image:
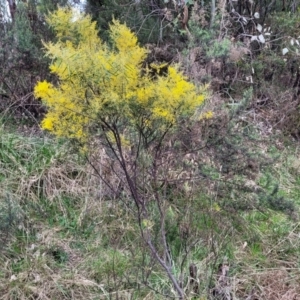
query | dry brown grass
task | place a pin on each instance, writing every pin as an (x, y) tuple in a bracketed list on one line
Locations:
[(269, 284), (35, 274)]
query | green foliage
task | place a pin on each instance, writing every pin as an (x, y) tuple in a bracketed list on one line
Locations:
[(21, 57), (10, 217), (152, 22), (64, 212), (285, 24), (200, 35), (219, 49), (44, 7), (273, 199), (59, 255), (110, 263), (23, 32)]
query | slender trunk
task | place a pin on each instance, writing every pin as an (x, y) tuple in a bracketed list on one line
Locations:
[(139, 10), (167, 269), (3, 18), (213, 13), (12, 8)]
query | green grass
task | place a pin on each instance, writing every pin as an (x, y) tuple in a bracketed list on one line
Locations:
[(59, 240)]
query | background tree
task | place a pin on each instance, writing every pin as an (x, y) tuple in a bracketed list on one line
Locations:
[(21, 55)]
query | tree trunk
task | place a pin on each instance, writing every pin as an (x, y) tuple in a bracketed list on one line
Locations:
[(12, 8)]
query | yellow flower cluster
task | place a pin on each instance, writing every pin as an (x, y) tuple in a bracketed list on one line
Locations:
[(100, 84), (206, 115)]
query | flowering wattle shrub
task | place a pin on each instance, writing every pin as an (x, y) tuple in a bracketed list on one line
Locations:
[(100, 85)]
